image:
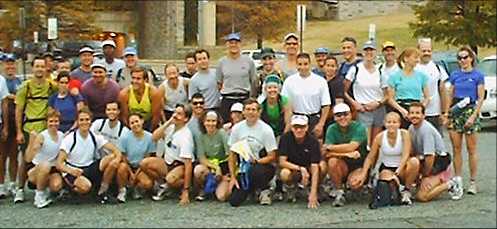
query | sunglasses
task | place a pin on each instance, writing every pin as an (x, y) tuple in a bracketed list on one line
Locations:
[(198, 103), (462, 57), (341, 114), (292, 43)]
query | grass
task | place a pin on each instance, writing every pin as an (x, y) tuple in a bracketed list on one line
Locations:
[(393, 27)]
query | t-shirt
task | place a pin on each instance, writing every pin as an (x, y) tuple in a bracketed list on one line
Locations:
[(466, 83), (367, 86), (355, 132), (287, 71), (80, 75), (387, 71), (236, 74), (259, 136), (136, 148), (273, 114), (34, 109), (84, 151), (306, 94), (97, 97), (303, 154), (194, 126), (178, 145), (113, 67), (213, 147), (206, 84), (436, 75), (4, 92), (110, 134), (185, 74), (335, 88), (67, 106), (408, 87), (426, 140), (13, 84), (345, 67)]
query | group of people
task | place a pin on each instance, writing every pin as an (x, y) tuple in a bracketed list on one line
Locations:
[(287, 130)]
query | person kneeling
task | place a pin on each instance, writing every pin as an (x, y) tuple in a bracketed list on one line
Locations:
[(299, 155)]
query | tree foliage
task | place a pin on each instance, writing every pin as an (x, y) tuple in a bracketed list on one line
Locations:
[(261, 20), (74, 19), (457, 22)]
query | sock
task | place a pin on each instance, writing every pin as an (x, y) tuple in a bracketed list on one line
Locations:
[(103, 188)]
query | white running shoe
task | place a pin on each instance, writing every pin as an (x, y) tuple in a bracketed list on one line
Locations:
[(121, 196), (406, 197), (458, 190), (19, 196), (472, 189)]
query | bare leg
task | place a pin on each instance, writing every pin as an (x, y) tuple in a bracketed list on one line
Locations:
[(471, 144), (456, 139)]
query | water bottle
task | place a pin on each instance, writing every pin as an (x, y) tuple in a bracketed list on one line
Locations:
[(458, 107)]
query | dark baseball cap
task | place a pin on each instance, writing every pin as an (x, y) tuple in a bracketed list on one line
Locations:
[(265, 52)]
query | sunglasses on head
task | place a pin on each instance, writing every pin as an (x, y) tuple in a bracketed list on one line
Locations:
[(340, 114), (462, 57), (198, 103)]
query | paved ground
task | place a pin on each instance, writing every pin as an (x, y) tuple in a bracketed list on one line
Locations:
[(471, 211)]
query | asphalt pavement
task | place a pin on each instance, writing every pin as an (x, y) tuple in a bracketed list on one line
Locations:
[(471, 211)]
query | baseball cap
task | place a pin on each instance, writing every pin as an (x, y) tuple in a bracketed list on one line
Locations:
[(322, 50), (86, 49), (387, 44), (237, 107), (108, 42), (9, 57), (265, 52), (341, 107), (290, 35), (369, 44), (299, 120), (45, 54), (129, 51), (233, 36), (98, 65)]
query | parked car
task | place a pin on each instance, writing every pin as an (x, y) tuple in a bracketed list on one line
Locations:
[(488, 67), (447, 60)]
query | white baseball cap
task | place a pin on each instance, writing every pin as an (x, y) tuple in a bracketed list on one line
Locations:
[(299, 120), (341, 107), (237, 107), (108, 42)]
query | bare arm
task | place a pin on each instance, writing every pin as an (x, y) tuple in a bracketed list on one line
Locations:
[(159, 132), (406, 150), (123, 102), (288, 115), (342, 148), (35, 148), (269, 158), (373, 153), (114, 150), (156, 106), (426, 96)]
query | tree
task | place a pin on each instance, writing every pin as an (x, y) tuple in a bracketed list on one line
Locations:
[(460, 22), (74, 19), (259, 20)]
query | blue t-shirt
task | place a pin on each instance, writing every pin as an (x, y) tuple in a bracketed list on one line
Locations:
[(345, 67), (67, 107), (466, 83), (13, 84), (135, 149), (408, 87)]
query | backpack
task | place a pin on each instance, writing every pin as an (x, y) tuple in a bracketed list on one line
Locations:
[(93, 140), (385, 193), (354, 65), (121, 127)]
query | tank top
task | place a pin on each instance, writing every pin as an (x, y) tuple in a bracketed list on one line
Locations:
[(175, 96), (391, 155), (50, 148), (144, 107)]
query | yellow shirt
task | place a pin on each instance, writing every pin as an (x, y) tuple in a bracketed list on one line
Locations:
[(144, 107)]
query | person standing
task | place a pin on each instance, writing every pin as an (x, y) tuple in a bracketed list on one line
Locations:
[(267, 68), (83, 72), (436, 84), (289, 65), (320, 57), (390, 54), (191, 65), (123, 75), (466, 83), (174, 89), (65, 103), (235, 74), (204, 81), (308, 94), (111, 64)]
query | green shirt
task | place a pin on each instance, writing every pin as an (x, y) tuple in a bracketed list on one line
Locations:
[(273, 113), (355, 132), (36, 106), (213, 147)]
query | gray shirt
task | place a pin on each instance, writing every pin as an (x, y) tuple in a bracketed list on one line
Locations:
[(205, 83), (426, 140), (236, 74), (80, 75), (194, 126)]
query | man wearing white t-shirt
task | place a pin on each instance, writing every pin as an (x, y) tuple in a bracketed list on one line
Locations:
[(262, 144), (308, 93), (436, 80), (77, 160), (175, 169), (111, 64), (110, 128)]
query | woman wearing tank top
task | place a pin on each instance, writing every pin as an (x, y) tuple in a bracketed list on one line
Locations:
[(41, 156), (393, 146)]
